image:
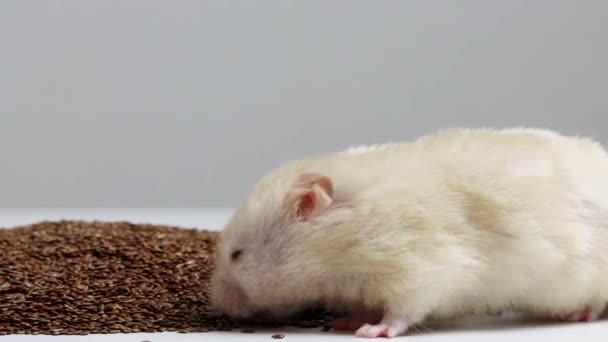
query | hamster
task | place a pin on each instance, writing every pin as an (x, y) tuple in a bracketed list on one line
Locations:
[(460, 222)]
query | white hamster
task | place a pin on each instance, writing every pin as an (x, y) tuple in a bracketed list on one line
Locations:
[(460, 222)]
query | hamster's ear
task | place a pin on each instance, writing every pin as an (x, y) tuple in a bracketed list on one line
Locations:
[(312, 193)]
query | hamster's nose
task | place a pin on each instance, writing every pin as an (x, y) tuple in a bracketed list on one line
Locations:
[(228, 297)]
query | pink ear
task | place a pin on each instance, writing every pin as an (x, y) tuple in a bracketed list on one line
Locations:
[(314, 193), (306, 204)]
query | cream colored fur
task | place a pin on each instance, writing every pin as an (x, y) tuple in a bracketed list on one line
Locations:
[(458, 222)]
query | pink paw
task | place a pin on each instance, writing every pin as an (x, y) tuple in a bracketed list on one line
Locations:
[(373, 331), (589, 314), (392, 325)]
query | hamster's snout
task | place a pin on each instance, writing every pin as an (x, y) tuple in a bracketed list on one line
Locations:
[(229, 298)]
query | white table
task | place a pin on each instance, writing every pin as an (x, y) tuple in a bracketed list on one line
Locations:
[(491, 329)]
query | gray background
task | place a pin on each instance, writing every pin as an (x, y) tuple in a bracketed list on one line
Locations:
[(186, 103)]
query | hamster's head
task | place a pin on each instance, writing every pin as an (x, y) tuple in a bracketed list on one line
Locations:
[(269, 258)]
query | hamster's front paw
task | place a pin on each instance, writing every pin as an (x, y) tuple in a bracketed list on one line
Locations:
[(392, 325), (588, 314)]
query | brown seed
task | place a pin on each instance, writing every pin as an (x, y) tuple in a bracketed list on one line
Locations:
[(79, 278), (278, 336)]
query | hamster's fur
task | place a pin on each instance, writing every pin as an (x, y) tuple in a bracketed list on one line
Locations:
[(460, 222)]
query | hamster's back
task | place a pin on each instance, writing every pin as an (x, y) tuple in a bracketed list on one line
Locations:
[(533, 205), (529, 207), (482, 156)]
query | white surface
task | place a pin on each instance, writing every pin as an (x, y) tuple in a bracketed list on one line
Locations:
[(494, 329)]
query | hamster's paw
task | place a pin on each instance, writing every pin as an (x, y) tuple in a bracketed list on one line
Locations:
[(588, 314), (392, 325), (372, 331)]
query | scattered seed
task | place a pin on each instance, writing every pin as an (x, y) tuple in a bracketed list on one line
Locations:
[(278, 336)]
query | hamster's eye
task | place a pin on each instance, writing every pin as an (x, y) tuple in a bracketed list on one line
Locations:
[(234, 256)]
